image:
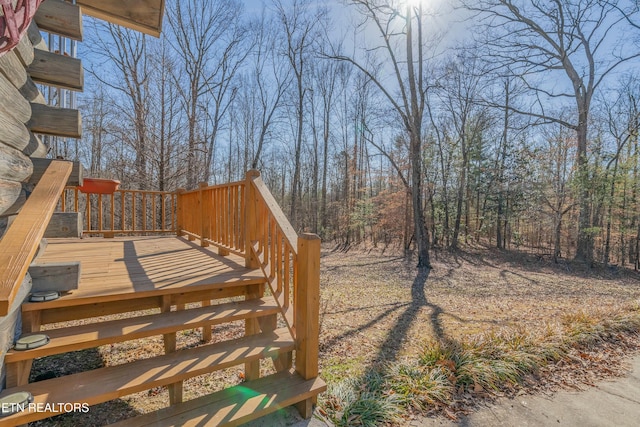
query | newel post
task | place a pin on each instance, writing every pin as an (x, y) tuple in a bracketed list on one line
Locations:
[(179, 212), (250, 217), (204, 215), (307, 313)]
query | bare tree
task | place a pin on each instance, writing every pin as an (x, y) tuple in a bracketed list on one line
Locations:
[(208, 39), (404, 52), (127, 50), (583, 41), (301, 26), (272, 79)]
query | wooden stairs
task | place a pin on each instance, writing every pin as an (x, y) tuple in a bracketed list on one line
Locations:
[(249, 400)]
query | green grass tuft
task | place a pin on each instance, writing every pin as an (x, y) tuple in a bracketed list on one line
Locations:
[(489, 362)]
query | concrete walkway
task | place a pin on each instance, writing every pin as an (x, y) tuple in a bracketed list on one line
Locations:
[(611, 403)]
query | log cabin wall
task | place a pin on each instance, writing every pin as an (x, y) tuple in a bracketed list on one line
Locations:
[(24, 114), (25, 117)]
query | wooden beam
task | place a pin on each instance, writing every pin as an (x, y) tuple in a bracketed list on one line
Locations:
[(35, 37), (55, 276), (64, 225), (24, 50), (60, 17), (35, 148), (40, 166), (9, 193), (57, 70), (20, 242), (142, 15), (18, 107), (13, 133), (307, 313), (14, 71), (14, 166), (55, 121)]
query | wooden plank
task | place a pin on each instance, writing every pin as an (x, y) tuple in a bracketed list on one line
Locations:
[(55, 276), (65, 314), (20, 242), (14, 166), (141, 15), (60, 17), (19, 107), (41, 165), (100, 385), (15, 72), (235, 405), (55, 121), (97, 334), (57, 70)]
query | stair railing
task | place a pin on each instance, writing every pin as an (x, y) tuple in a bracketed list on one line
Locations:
[(243, 218), (20, 242)]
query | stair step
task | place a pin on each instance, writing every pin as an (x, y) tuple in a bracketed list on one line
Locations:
[(112, 382), (95, 334), (235, 405), (83, 308)]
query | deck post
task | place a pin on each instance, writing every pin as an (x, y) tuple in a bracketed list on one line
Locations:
[(250, 218), (205, 230), (170, 346), (179, 213), (307, 313)]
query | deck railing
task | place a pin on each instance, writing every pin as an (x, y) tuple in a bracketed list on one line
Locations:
[(215, 215), (123, 212), (244, 218)]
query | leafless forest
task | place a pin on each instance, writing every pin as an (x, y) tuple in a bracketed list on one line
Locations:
[(387, 123)]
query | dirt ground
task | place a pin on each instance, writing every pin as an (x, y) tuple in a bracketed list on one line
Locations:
[(376, 308)]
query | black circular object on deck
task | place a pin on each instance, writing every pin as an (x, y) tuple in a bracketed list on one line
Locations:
[(14, 403), (44, 296), (27, 342)]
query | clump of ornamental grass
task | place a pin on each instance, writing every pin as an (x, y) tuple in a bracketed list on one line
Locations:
[(361, 402), (488, 362)]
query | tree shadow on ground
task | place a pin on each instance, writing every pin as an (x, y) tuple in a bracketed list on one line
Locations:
[(390, 349)]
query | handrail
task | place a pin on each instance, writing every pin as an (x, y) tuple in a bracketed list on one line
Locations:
[(20, 242), (124, 211), (244, 218)]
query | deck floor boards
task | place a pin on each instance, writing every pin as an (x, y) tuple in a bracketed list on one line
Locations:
[(150, 265)]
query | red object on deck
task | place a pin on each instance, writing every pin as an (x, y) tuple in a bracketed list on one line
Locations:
[(99, 185), (14, 21)]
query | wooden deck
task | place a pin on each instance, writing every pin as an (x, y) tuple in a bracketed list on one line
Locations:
[(131, 267)]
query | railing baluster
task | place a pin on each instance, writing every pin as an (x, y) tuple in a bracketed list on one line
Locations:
[(113, 212), (279, 269), (123, 219), (154, 226), (144, 211), (88, 198)]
